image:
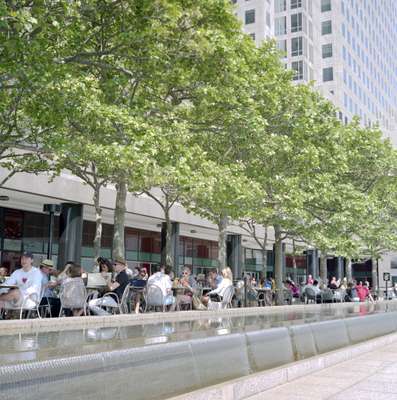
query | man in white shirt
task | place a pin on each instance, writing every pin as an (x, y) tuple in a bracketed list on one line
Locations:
[(163, 281), (28, 281)]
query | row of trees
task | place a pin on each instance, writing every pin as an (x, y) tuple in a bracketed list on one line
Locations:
[(169, 98)]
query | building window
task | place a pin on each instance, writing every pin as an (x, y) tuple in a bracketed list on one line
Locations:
[(297, 66), (252, 36), (296, 22), (326, 27), (296, 3), (325, 5), (296, 46), (280, 26), (327, 50), (282, 46), (328, 74), (249, 17), (280, 5)]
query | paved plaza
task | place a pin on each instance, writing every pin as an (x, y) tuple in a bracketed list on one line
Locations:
[(371, 376)]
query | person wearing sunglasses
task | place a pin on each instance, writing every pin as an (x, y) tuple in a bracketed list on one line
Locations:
[(190, 287)]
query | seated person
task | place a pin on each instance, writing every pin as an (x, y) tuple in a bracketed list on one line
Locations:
[(117, 287), (190, 285), (214, 279), (292, 287), (351, 293), (49, 296), (218, 293), (162, 280), (333, 284), (138, 284), (105, 266), (28, 282), (315, 288), (3, 274), (72, 292)]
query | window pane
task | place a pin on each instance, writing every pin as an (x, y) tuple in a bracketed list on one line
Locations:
[(282, 46), (327, 50), (296, 3), (280, 26), (296, 22), (249, 17), (280, 5), (325, 5), (328, 74), (297, 66), (296, 46), (326, 28), (13, 224)]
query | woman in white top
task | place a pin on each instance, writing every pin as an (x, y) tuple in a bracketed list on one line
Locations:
[(219, 292)]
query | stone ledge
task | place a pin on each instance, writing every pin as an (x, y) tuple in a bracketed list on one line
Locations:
[(9, 327), (244, 388)]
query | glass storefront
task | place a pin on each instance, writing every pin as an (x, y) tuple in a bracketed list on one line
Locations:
[(27, 231)]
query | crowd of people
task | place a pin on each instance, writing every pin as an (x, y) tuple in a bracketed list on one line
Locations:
[(65, 292)]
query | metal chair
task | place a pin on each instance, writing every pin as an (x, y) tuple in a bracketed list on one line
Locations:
[(154, 298), (72, 296), (327, 295), (310, 295), (227, 298), (26, 307)]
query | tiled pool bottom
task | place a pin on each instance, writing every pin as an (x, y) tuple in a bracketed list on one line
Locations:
[(29, 347)]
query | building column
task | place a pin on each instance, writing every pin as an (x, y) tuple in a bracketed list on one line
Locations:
[(235, 254), (312, 263), (339, 268), (70, 233), (174, 245)]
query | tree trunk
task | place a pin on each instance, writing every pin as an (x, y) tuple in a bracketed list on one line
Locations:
[(349, 274), (222, 252), (374, 274), (98, 222), (323, 267), (168, 235), (278, 264), (119, 220), (264, 254)]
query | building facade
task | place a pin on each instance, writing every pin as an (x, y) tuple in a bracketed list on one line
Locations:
[(346, 47)]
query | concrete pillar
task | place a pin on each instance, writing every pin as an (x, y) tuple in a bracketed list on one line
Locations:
[(235, 254), (174, 246), (312, 263), (339, 268), (70, 233)]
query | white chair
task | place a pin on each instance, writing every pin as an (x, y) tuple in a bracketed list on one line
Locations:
[(226, 300), (227, 297), (122, 304), (154, 298), (72, 296), (28, 306)]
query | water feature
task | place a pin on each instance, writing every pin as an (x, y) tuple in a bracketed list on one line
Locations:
[(150, 361)]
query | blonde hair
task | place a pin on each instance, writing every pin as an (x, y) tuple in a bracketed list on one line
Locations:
[(227, 273)]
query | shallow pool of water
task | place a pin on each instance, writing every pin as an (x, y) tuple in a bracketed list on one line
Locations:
[(20, 348)]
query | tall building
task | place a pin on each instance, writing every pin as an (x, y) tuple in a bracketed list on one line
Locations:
[(348, 48)]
